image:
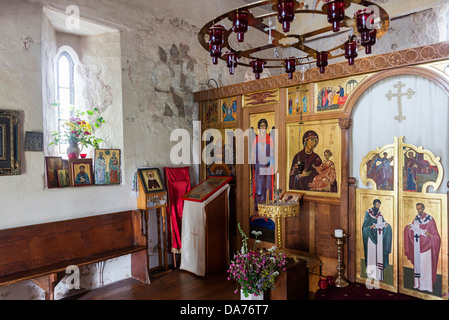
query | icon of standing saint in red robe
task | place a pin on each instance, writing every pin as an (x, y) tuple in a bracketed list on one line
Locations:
[(422, 244)]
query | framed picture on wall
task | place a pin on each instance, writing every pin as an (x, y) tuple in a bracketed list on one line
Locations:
[(52, 165), (331, 95), (423, 253), (81, 172), (9, 143), (151, 180), (378, 269), (2, 141), (262, 184), (261, 98), (210, 112), (314, 157), (229, 110), (33, 141), (63, 178), (298, 100), (290, 196), (220, 151), (107, 166)]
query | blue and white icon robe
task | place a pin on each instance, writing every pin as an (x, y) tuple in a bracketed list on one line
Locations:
[(377, 239)]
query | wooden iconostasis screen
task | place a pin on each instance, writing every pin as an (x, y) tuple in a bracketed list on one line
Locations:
[(404, 182), (338, 118)]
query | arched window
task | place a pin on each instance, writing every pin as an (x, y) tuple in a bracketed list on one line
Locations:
[(65, 90)]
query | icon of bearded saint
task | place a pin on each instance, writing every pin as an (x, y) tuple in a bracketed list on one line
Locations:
[(422, 244)]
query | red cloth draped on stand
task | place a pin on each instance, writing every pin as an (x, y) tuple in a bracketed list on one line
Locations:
[(178, 184)]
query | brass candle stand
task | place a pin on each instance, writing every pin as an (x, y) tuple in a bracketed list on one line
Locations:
[(278, 209), (340, 281)]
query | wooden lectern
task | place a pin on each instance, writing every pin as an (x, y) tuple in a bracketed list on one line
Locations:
[(152, 195), (205, 244)]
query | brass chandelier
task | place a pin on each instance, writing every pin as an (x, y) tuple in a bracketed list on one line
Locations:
[(366, 26)]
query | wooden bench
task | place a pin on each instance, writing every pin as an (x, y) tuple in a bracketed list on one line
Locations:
[(42, 252)]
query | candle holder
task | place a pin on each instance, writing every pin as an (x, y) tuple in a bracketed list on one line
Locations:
[(278, 211), (340, 281)]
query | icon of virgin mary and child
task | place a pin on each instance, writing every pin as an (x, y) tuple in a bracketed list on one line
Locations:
[(308, 171)]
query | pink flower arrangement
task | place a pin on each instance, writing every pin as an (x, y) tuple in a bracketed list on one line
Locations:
[(255, 270)]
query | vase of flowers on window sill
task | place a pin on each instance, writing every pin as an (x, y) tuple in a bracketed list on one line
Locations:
[(79, 132), (73, 150), (256, 270)]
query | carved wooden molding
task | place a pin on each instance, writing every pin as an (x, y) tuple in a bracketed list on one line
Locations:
[(407, 57), (345, 123)]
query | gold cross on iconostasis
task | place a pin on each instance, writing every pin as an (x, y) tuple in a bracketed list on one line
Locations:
[(399, 95)]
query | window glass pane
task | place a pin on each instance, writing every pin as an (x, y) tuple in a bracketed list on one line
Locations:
[(64, 103), (65, 92), (63, 148), (64, 72)]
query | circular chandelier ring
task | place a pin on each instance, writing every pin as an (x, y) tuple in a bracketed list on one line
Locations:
[(256, 22)]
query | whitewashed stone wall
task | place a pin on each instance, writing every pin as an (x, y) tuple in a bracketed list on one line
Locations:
[(162, 65)]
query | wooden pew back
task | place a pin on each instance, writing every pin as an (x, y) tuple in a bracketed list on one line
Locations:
[(31, 251)]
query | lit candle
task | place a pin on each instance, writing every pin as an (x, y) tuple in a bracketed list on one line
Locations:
[(338, 233), (277, 181)]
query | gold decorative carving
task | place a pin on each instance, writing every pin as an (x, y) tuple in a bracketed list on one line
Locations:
[(390, 95), (371, 163), (410, 171), (273, 210), (279, 210), (398, 151), (430, 158)]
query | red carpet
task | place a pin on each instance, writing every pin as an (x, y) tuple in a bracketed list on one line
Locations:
[(358, 291)]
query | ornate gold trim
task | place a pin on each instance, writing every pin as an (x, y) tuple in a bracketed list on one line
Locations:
[(370, 155), (273, 210), (278, 211), (390, 210), (431, 199)]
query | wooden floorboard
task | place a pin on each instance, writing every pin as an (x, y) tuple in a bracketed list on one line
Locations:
[(176, 285)]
